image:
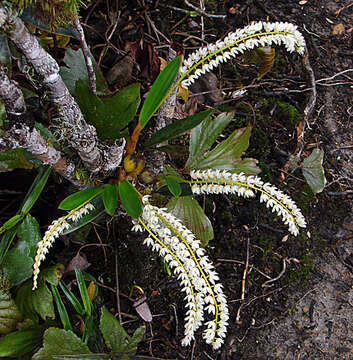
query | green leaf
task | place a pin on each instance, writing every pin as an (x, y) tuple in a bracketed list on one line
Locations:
[(86, 301), (313, 171), (177, 128), (33, 303), (130, 199), (9, 224), (188, 210), (76, 69), (53, 274), (204, 135), (112, 116), (110, 198), (114, 334), (173, 185), (21, 342), (226, 154), (14, 159), (158, 91), (35, 190), (248, 166), (42, 300), (5, 54), (6, 241), (29, 235), (17, 266), (131, 346), (78, 198), (64, 317), (85, 219), (60, 342), (9, 313), (72, 298)]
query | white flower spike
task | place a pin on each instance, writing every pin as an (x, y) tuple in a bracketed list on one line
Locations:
[(180, 249), (258, 34)]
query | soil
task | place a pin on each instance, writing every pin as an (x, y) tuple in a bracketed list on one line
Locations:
[(305, 312)]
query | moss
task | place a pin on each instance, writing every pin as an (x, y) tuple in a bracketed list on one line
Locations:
[(300, 273), (304, 197), (267, 244), (226, 217)]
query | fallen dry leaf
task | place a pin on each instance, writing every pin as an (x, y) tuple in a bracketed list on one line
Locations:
[(338, 29)]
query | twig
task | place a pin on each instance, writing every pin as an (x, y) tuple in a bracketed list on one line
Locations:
[(334, 76), (268, 282), (243, 263), (202, 12), (87, 56), (309, 106), (245, 270)]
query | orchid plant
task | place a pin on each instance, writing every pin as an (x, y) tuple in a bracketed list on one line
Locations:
[(179, 247)]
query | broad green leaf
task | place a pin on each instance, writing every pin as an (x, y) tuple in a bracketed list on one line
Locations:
[(313, 171), (185, 190), (33, 303), (24, 301), (35, 190), (119, 111), (226, 154), (42, 300), (9, 313), (177, 128), (13, 159), (114, 334), (110, 198), (158, 91), (130, 199), (64, 317), (78, 198), (131, 346), (188, 210), (85, 357), (17, 266), (204, 135), (60, 342), (19, 343), (109, 117), (29, 235), (9, 224), (86, 301), (173, 185), (5, 54), (248, 166), (76, 69)]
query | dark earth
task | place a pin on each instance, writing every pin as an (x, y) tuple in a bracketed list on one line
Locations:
[(297, 300)]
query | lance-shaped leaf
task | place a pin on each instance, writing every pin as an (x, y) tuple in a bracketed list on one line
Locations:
[(188, 210), (173, 185), (130, 199), (80, 197), (204, 135), (313, 171), (35, 190), (177, 128), (159, 91)]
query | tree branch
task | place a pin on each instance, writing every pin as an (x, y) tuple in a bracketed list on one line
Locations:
[(82, 137)]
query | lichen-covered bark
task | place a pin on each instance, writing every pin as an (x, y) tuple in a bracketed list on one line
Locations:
[(82, 137)]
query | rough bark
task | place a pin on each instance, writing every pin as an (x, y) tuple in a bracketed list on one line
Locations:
[(82, 137)]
